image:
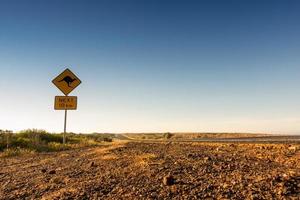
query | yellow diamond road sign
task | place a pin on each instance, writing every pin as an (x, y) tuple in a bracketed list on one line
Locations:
[(67, 81)]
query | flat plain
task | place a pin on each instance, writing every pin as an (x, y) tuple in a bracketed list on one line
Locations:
[(156, 170)]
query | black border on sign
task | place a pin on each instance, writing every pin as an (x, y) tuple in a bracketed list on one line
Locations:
[(61, 74), (66, 97)]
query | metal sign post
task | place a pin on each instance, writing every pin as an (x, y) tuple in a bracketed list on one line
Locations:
[(65, 128), (66, 82)]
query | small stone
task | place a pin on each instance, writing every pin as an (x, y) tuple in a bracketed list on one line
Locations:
[(52, 172), (292, 148), (44, 170), (55, 180), (153, 194), (168, 180), (190, 155), (206, 158), (92, 164)]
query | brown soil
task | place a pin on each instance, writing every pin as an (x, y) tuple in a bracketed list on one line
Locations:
[(141, 170)]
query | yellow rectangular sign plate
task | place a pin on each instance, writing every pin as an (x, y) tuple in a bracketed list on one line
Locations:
[(67, 81), (65, 103)]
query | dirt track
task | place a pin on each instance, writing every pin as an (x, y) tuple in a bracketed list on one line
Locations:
[(137, 170)]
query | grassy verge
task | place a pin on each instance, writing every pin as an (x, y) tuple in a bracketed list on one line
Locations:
[(33, 140)]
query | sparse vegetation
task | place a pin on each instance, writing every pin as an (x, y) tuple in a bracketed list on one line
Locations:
[(167, 135), (32, 140), (183, 136), (145, 136), (10, 152)]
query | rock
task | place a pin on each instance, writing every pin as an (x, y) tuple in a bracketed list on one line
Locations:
[(52, 172), (153, 195), (284, 175), (292, 148), (92, 164), (55, 180), (44, 170), (206, 158), (168, 180)]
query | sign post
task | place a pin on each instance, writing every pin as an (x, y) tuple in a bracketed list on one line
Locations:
[(65, 127), (66, 82)]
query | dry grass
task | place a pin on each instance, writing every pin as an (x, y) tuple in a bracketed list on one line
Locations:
[(15, 152), (175, 136)]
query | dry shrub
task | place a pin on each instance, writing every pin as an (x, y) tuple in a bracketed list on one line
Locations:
[(10, 152), (55, 146)]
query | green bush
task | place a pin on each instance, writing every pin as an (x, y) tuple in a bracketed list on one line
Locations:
[(40, 135), (167, 135), (42, 141), (21, 142), (47, 137)]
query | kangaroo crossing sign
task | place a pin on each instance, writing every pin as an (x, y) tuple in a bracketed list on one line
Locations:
[(67, 81)]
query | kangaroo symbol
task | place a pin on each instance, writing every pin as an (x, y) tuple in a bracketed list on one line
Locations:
[(68, 80)]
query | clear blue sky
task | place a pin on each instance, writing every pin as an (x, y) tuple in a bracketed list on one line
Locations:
[(149, 66)]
